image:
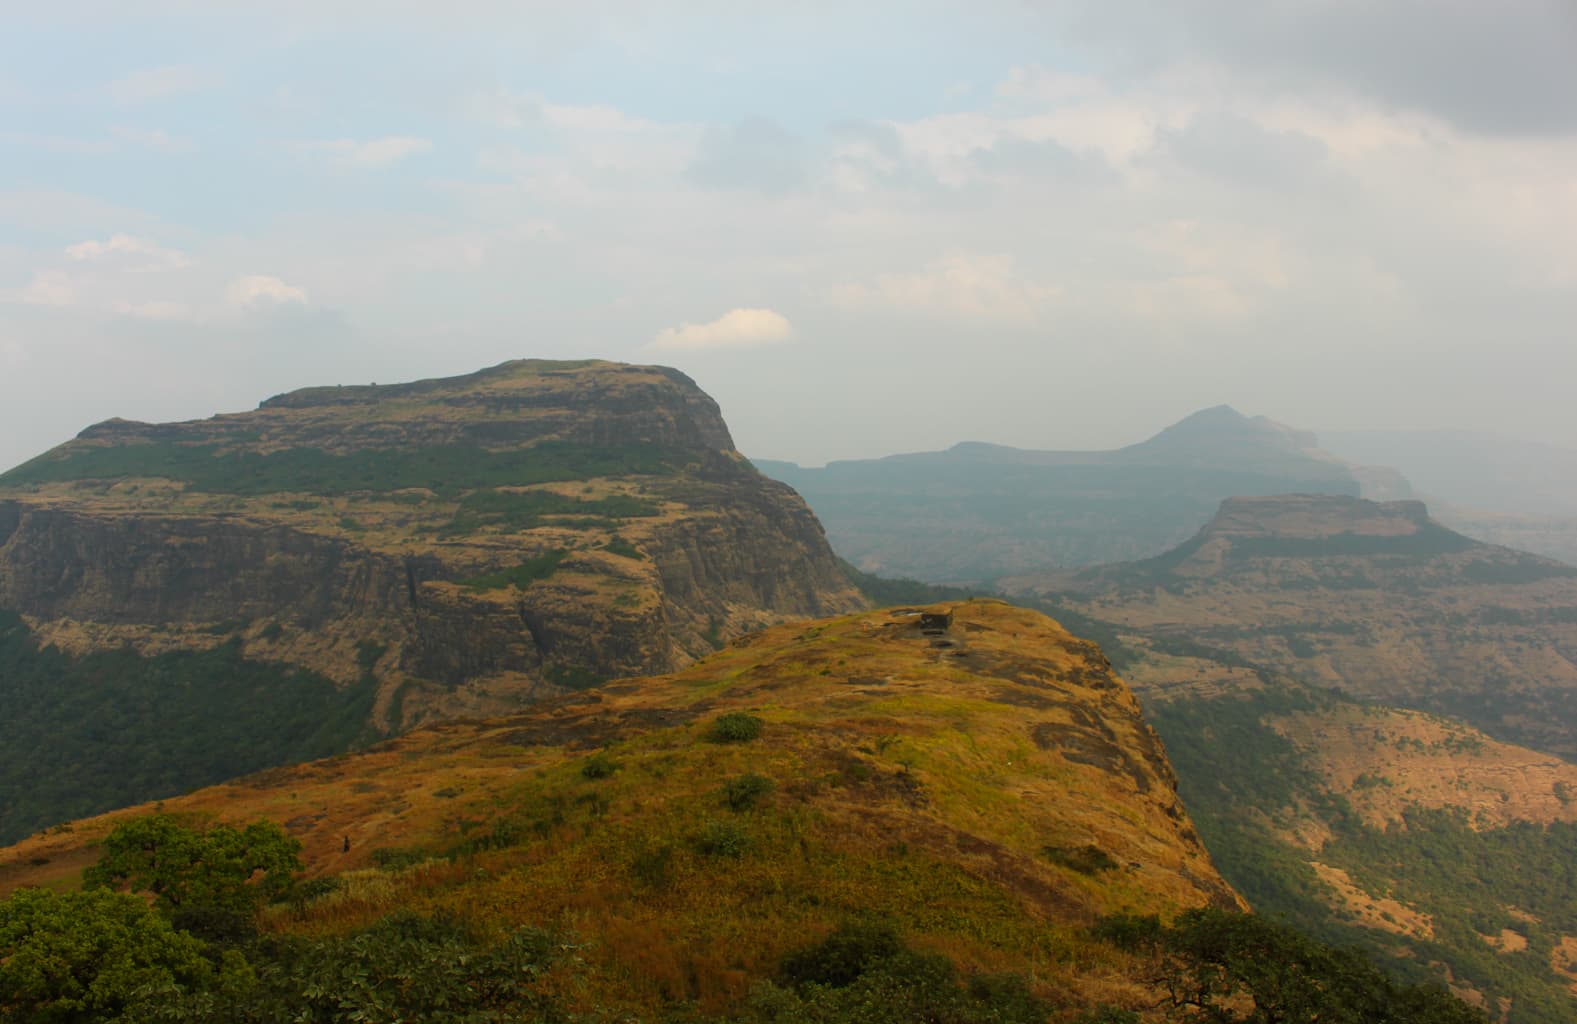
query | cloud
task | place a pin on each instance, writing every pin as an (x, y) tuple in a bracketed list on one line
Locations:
[(379, 152), (755, 154), (1237, 149), (155, 310), (1504, 68), (738, 328), (157, 84), (984, 288), (261, 291), (47, 288), (136, 253)]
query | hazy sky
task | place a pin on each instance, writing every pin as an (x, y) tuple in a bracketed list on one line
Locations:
[(862, 227)]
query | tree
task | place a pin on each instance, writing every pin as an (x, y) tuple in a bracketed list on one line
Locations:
[(222, 869), (92, 955)]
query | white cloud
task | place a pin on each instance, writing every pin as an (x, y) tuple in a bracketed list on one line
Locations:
[(137, 253), (986, 288), (738, 328), (47, 288), (371, 153), (157, 83), (260, 291)]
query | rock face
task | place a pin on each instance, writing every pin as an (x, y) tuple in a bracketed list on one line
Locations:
[(473, 541)]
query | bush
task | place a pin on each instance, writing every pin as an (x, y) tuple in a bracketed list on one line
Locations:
[(741, 793), (653, 866), (851, 950), (723, 839), (599, 766), (1088, 859), (735, 727)]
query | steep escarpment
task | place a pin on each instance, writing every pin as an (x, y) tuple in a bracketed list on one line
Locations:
[(971, 774), (461, 544)]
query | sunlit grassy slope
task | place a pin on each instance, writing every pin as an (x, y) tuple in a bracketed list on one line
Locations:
[(987, 786)]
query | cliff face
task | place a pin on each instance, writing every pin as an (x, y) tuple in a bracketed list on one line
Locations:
[(471, 541)]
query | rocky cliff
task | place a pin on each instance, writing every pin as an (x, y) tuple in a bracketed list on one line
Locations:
[(469, 542)]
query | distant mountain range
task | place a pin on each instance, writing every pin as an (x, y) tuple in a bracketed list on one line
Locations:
[(978, 511)]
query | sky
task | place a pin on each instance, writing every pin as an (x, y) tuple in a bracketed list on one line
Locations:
[(862, 228)]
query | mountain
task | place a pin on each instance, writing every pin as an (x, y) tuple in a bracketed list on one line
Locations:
[(979, 511), (972, 775), (386, 555), (1374, 598)]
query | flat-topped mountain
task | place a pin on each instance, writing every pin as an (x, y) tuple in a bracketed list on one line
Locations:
[(1377, 599), (399, 552), (979, 511), (972, 774)]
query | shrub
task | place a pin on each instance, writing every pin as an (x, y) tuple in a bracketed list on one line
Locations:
[(599, 766), (723, 839), (854, 948), (1088, 859), (735, 727), (742, 792), (653, 866)]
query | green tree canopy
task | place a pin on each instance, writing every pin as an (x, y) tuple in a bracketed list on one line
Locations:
[(91, 955), (223, 868)]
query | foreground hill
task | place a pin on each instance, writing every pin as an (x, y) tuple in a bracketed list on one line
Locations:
[(979, 511), (973, 775), (199, 599), (1374, 598)]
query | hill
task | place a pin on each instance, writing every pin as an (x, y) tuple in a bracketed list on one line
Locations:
[(1432, 841), (386, 555), (971, 774), (1376, 599), (978, 511)]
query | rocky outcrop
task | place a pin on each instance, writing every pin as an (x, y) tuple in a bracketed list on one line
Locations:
[(520, 530)]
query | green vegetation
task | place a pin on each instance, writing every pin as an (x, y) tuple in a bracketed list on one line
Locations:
[(735, 727), (598, 766), (1241, 781), (105, 956), (741, 792), (1088, 859), (224, 868), (84, 735), (1227, 967), (538, 567), (91, 956), (524, 510), (617, 545), (864, 973), (447, 470)]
